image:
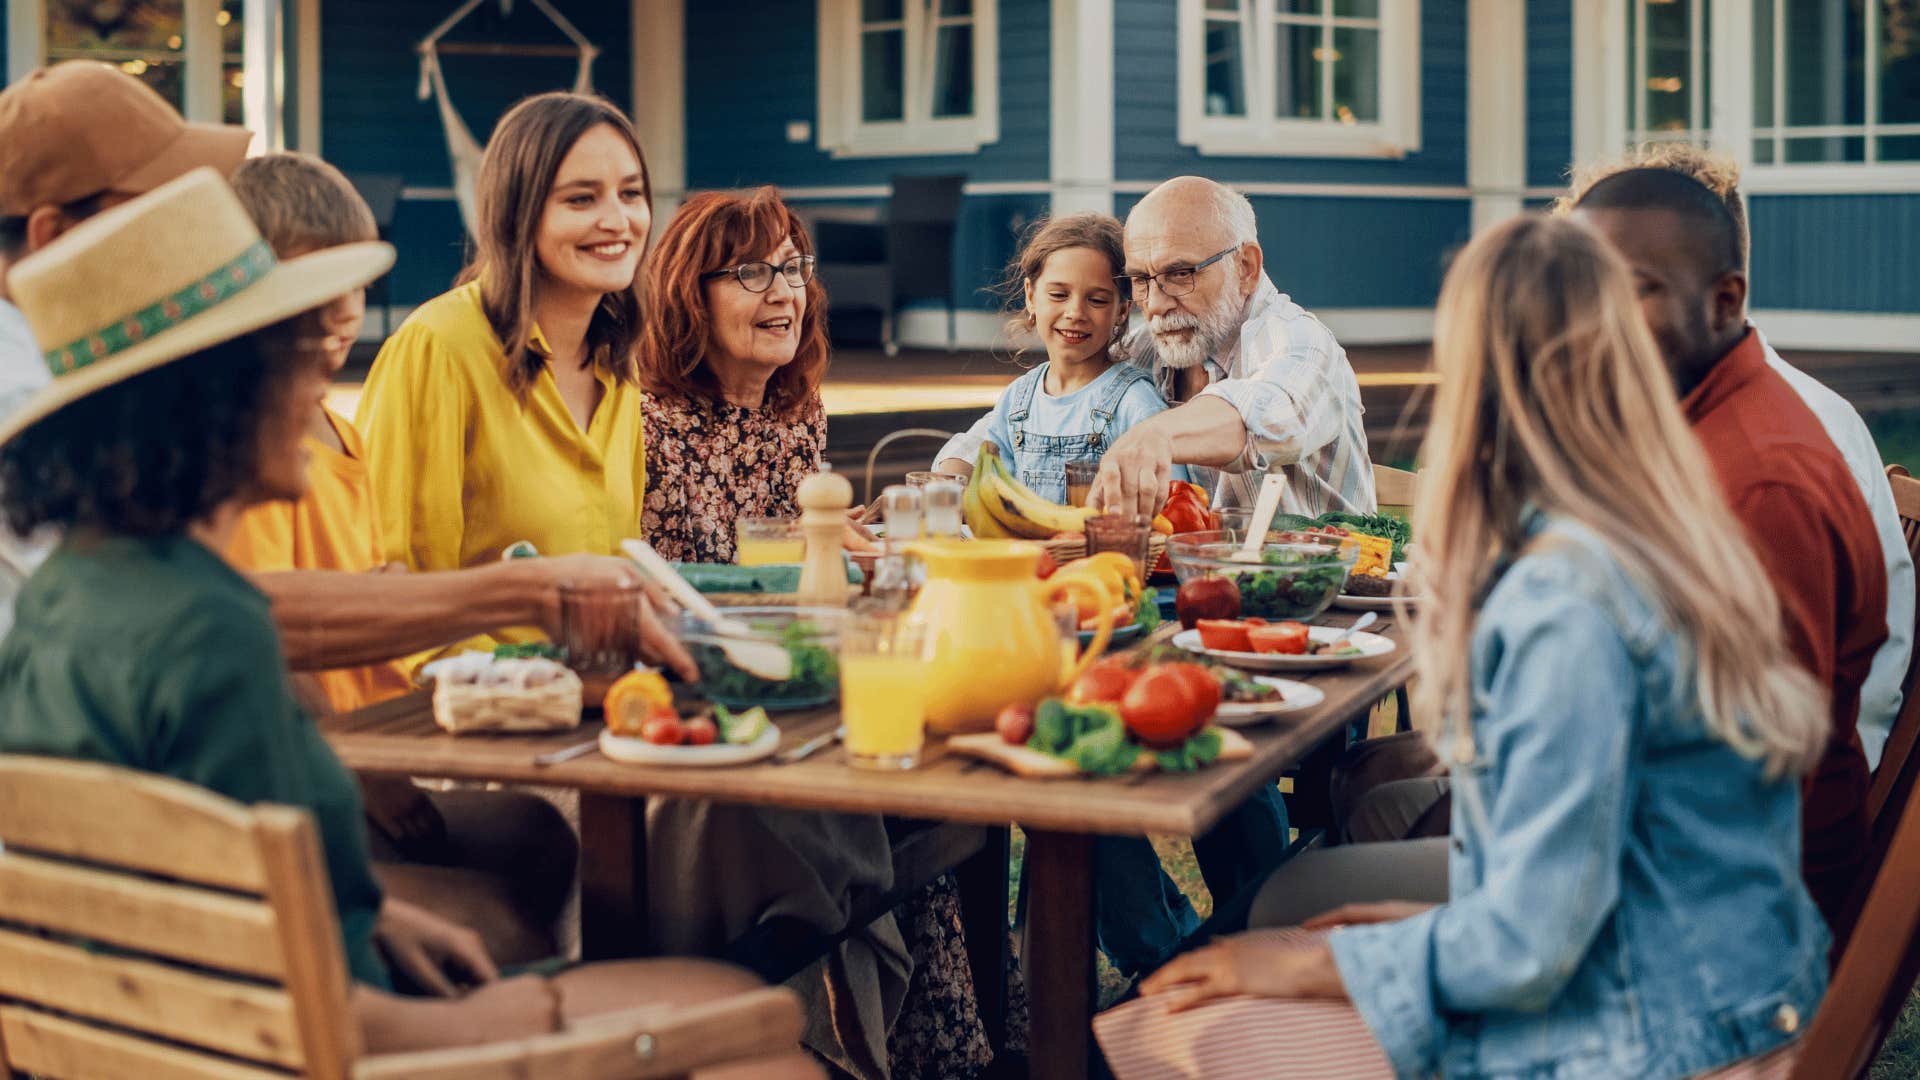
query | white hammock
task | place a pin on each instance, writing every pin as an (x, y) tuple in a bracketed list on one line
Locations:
[(462, 148)]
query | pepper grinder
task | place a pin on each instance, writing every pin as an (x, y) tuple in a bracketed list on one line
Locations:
[(824, 498)]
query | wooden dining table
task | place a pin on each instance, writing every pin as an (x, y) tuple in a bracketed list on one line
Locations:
[(1060, 817)]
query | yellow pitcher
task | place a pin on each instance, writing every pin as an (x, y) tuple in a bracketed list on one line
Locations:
[(991, 630)]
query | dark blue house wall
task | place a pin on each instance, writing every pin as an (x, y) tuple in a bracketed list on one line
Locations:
[(372, 121), (1549, 91), (1836, 252), (1146, 109)]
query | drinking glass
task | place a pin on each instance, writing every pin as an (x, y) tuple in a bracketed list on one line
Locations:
[(767, 541), (1127, 534), (943, 507), (600, 627), (1080, 476), (922, 477), (883, 689)]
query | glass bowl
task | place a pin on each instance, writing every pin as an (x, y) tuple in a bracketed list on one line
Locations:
[(810, 635), (1297, 577)]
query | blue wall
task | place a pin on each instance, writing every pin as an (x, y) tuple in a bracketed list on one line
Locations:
[(1146, 109), (1836, 252), (1549, 91), (371, 120)]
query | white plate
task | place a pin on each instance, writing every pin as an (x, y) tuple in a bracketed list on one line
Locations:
[(1350, 602), (1294, 696), (637, 751), (1370, 646)]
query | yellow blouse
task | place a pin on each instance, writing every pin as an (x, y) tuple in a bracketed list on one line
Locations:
[(462, 468)]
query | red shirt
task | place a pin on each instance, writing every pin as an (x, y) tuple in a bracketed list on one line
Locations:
[(1811, 528)]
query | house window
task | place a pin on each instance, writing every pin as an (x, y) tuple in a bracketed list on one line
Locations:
[(190, 51), (1669, 82), (905, 77), (1836, 81), (1284, 78)]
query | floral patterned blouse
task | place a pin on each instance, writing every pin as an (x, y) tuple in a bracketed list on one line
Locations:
[(711, 462)]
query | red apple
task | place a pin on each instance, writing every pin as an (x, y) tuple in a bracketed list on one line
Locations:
[(1207, 598)]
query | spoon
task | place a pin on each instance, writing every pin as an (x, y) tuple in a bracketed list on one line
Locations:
[(1264, 508), (1359, 624), (761, 659)]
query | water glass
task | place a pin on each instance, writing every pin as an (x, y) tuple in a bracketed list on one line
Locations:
[(768, 541), (1080, 476), (1127, 534), (600, 627), (943, 508), (922, 477), (883, 689)]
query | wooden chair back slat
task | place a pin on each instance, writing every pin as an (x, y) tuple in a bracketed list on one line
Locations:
[(43, 1045), (1394, 487), (676, 1041), (232, 1017), (310, 940), (1894, 777), (105, 815), (216, 930)]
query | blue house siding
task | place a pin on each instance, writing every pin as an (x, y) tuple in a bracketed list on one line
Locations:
[(1146, 109), (1836, 252), (1357, 252), (752, 68), (1549, 91), (372, 121)]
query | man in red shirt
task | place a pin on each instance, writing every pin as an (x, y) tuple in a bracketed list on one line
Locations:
[(1784, 478)]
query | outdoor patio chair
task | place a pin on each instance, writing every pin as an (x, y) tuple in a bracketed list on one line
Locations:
[(211, 950), (1393, 488)]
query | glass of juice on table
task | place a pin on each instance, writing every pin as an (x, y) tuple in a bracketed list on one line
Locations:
[(883, 689), (1080, 476), (768, 541)]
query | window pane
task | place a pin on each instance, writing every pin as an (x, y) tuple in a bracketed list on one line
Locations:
[(1231, 6), (1825, 44), (143, 38), (1297, 73), (1900, 64), (1899, 148), (1819, 150), (953, 72), (233, 79), (1763, 66), (1357, 9), (882, 75), (881, 10), (1356, 75), (1669, 53), (956, 7), (1298, 7), (1763, 151), (1226, 80)]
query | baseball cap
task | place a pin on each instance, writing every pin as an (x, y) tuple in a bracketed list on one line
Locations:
[(82, 127)]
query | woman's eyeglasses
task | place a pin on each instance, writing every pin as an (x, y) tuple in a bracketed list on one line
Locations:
[(757, 277), (1175, 282)]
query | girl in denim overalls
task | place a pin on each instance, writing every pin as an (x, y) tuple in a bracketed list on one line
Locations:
[(1074, 405)]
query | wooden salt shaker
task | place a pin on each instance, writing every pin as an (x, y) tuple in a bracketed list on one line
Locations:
[(824, 498)]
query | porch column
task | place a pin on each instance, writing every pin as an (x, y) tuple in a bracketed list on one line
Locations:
[(660, 100), (1081, 154), (1496, 108)]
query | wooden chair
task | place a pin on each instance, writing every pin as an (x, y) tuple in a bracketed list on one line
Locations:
[(1893, 778), (213, 952), (1393, 489)]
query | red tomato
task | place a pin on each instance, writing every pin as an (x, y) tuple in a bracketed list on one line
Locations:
[(1227, 635), (1165, 706), (1286, 637), (1015, 724), (1204, 684), (663, 729), (1047, 564), (699, 731), (1103, 683), (1206, 598)]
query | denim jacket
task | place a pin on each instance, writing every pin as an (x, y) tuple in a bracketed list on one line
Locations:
[(1626, 894)]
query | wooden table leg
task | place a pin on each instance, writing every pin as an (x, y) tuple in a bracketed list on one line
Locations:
[(982, 883), (613, 877), (1059, 953)]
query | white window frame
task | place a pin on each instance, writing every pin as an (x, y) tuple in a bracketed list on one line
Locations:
[(1260, 133), (843, 130)]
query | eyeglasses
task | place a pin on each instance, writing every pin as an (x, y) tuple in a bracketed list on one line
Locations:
[(757, 277), (1175, 282)]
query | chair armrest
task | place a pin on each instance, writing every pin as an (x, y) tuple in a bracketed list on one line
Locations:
[(635, 1044)]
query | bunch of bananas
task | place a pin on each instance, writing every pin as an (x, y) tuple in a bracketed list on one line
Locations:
[(998, 507)]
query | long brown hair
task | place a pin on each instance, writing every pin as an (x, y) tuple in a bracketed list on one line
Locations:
[(1553, 394), (714, 230), (1092, 230), (516, 177)]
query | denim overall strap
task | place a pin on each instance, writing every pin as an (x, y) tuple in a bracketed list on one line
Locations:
[(1108, 407), (1020, 402)]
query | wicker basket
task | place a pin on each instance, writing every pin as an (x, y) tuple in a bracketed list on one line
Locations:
[(554, 705), (1067, 549)]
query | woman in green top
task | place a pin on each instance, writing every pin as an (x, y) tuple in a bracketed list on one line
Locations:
[(187, 363)]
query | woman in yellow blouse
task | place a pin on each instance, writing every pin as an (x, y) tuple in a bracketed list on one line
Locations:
[(507, 410)]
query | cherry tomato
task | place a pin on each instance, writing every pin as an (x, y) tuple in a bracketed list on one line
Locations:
[(1226, 635), (1288, 637), (662, 729), (1165, 706), (1103, 683), (699, 731), (1015, 724)]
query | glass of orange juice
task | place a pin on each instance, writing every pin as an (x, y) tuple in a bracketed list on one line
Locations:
[(768, 541), (883, 690)]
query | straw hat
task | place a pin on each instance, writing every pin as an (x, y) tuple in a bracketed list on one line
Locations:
[(175, 271)]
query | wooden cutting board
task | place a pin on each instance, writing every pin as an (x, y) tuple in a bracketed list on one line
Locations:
[(1028, 762)]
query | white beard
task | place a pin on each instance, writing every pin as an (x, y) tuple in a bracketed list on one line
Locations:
[(1212, 330)]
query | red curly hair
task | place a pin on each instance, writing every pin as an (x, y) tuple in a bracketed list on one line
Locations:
[(711, 231)]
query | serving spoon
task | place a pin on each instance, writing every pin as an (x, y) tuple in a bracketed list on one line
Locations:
[(1264, 509), (735, 639), (1359, 624)]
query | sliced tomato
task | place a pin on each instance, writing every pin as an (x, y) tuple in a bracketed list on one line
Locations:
[(1225, 635), (1289, 638)]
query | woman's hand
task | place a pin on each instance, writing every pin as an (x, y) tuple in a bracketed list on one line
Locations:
[(657, 645), (1257, 964), (436, 954), (1381, 911)]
